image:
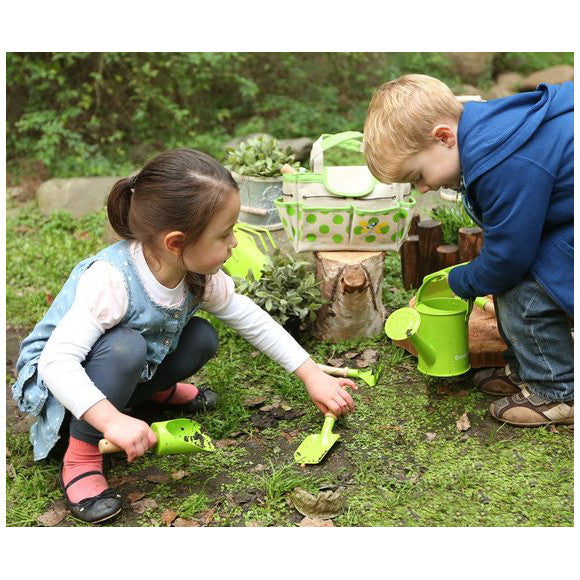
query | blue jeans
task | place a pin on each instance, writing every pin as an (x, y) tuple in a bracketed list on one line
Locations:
[(538, 335), (116, 360)]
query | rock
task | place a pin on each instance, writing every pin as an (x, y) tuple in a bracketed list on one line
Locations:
[(471, 66), (553, 75), (509, 80), (77, 195), (498, 91), (468, 89), (300, 146)]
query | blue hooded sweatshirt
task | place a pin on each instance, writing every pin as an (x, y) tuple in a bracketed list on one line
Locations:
[(517, 160)]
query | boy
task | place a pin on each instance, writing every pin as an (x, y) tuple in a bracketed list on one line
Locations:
[(513, 160)]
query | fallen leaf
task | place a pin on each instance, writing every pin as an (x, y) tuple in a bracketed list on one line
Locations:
[(268, 408), (350, 355), (119, 481), (182, 523), (225, 443), (316, 523), (463, 424), (362, 364), (168, 516), (158, 478), (290, 438), (143, 505), (335, 362), (206, 517), (443, 390), (393, 427), (10, 471), (53, 516), (258, 468), (369, 354), (255, 402), (135, 496), (325, 505), (430, 436), (49, 298), (177, 475), (8, 454), (285, 407), (553, 429), (253, 524)]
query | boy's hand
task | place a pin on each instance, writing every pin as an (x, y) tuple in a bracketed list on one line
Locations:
[(327, 393)]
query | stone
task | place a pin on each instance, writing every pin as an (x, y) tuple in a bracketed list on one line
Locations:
[(471, 66), (509, 80), (553, 75), (498, 91), (77, 195)]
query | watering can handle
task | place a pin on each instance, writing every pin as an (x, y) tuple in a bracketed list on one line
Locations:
[(108, 447)]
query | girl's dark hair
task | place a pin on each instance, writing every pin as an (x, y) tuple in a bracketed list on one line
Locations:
[(180, 189)]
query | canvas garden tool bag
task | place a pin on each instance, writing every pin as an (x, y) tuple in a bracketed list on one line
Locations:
[(343, 207)]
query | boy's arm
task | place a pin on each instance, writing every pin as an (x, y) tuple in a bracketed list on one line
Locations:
[(514, 197)]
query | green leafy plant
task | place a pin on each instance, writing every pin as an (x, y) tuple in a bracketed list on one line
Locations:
[(287, 290), (452, 217), (259, 157)]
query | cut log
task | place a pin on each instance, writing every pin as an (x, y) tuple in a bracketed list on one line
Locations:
[(447, 255), (430, 236), (413, 227), (410, 270), (470, 243), (352, 284)]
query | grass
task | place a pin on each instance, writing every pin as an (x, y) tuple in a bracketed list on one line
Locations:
[(389, 472)]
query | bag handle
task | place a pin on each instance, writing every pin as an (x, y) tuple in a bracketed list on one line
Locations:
[(347, 140)]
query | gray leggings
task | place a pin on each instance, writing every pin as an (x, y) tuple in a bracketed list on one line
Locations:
[(116, 360)]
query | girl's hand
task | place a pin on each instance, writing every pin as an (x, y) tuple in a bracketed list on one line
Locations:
[(327, 393), (134, 436)]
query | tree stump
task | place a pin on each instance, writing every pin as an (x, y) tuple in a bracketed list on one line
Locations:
[(413, 226), (430, 236), (470, 243), (410, 269), (447, 255), (352, 285)]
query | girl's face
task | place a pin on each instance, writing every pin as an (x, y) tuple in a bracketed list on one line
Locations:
[(215, 245)]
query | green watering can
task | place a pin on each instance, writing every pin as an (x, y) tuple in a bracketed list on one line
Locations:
[(437, 327), (247, 256)]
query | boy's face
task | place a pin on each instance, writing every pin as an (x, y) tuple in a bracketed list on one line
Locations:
[(437, 166)]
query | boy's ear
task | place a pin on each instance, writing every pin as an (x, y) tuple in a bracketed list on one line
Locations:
[(173, 242), (444, 134)]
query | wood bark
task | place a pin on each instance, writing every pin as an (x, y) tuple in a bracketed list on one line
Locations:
[(430, 236), (470, 243), (410, 270), (352, 284), (447, 255)]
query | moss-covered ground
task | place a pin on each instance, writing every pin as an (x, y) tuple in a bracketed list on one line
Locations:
[(400, 461)]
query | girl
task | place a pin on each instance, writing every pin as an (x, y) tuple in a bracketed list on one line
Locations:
[(122, 329)]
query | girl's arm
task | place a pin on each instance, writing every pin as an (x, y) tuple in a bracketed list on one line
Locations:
[(263, 332)]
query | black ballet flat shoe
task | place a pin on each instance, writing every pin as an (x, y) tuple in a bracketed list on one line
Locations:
[(205, 400), (93, 510)]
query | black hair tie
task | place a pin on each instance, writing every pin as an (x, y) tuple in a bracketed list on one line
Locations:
[(132, 182)]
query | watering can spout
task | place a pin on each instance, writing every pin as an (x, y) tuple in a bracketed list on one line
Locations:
[(425, 350)]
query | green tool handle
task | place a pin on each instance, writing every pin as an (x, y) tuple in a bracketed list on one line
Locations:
[(329, 419)]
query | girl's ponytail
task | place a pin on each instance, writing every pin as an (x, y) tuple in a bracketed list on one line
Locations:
[(118, 206)]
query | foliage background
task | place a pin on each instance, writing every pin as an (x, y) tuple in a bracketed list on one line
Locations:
[(89, 113)]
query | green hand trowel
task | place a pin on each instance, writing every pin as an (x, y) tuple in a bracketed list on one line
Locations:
[(315, 447), (173, 437)]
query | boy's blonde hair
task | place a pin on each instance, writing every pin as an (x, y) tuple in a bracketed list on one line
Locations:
[(400, 118)]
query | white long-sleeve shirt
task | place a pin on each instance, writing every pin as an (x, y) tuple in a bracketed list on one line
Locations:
[(100, 303)]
